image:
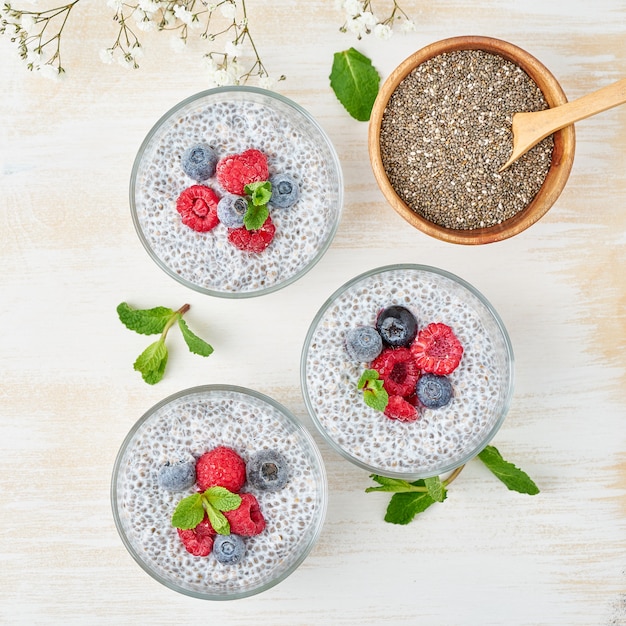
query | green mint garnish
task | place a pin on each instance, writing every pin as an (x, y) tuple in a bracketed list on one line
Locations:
[(259, 192), (255, 216), (355, 82), (259, 195), (514, 478), (403, 507), (436, 489), (190, 510), (152, 361), (374, 393)]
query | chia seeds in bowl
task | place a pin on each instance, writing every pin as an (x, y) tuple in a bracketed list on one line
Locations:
[(232, 120), (181, 428), (441, 439)]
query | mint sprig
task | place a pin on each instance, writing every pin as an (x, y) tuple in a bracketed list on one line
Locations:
[(374, 394), (259, 195), (190, 511), (411, 498), (152, 361), (355, 82)]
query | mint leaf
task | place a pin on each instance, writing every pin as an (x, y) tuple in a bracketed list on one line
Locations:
[(355, 82), (222, 499), (255, 216), (374, 393), (514, 478), (144, 321), (396, 485), (259, 192), (403, 507), (152, 361), (218, 520), (189, 512), (366, 376), (436, 489), (194, 343)]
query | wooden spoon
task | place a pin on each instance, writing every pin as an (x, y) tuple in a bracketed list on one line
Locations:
[(530, 128)]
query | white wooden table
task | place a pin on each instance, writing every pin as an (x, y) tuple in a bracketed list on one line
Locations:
[(68, 393)]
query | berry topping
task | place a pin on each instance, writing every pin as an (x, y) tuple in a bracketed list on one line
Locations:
[(268, 470), (199, 161), (177, 476), (285, 191), (199, 540), (434, 391), (246, 520), (231, 209), (397, 326), (363, 344), (197, 206), (398, 370), (236, 171), (228, 549), (437, 350), (399, 409), (221, 467), (253, 240)]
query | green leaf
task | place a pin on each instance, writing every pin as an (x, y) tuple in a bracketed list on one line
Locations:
[(514, 478), (374, 393), (194, 343), (392, 484), (259, 192), (436, 489), (366, 376), (355, 82), (218, 520), (255, 216), (152, 361), (403, 507), (222, 499), (189, 512), (144, 321)]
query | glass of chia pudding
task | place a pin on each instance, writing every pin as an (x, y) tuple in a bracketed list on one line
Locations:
[(214, 444), (440, 132), (428, 345), (208, 148)]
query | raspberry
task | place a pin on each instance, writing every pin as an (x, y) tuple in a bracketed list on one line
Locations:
[(197, 206), (246, 520), (253, 240), (221, 467), (199, 540), (437, 350), (235, 171), (398, 370), (399, 409)]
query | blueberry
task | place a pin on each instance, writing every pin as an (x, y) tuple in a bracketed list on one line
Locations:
[(231, 209), (228, 549), (434, 391), (397, 326), (363, 343), (177, 476), (285, 191), (199, 161), (268, 470)]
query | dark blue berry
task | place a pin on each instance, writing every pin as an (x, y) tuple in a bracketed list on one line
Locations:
[(268, 470), (434, 391), (363, 344), (397, 326), (228, 549), (199, 161), (177, 476), (231, 210), (285, 191)]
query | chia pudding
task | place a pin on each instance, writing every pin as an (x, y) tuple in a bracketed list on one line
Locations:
[(446, 132), (441, 439), (233, 120), (183, 427)]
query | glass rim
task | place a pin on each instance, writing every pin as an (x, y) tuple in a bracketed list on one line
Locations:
[(255, 91), (451, 466), (313, 449)]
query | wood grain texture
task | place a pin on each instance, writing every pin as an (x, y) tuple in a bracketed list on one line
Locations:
[(69, 255)]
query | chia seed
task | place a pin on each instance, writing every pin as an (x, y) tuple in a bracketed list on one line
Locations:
[(446, 131)]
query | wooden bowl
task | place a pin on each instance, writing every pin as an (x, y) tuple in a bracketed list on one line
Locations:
[(562, 155)]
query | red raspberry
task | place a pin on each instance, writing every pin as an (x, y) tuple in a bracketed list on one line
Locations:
[(197, 206), (221, 467), (399, 409), (253, 240), (398, 370), (437, 350), (199, 540), (246, 520), (236, 171)]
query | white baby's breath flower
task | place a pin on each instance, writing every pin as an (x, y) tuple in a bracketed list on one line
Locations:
[(148, 6), (169, 18), (369, 19), (407, 26), (49, 71), (183, 14), (177, 44), (33, 58), (27, 22), (267, 82), (106, 55), (116, 5), (219, 78), (136, 52), (146, 26), (382, 31), (353, 8), (228, 10), (232, 49), (126, 61), (357, 27)]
